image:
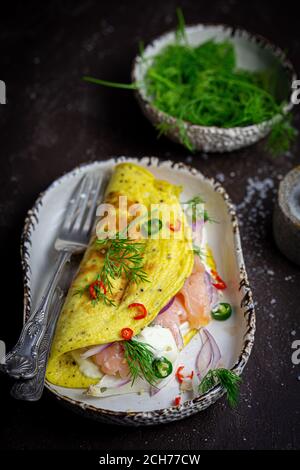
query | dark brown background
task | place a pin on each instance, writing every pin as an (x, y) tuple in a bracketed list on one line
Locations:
[(53, 121)]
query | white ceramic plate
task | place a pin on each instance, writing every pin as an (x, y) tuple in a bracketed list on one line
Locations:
[(235, 336)]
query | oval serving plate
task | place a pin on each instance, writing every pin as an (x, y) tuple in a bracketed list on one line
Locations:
[(235, 337), (253, 52)]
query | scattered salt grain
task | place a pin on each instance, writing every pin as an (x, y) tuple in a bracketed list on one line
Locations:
[(293, 333), (258, 190), (220, 177), (270, 272), (106, 28), (273, 301)]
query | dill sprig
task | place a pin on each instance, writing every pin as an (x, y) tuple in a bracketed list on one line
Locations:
[(227, 379), (180, 31), (123, 257), (98, 81), (282, 135), (99, 294), (198, 211), (199, 252), (140, 357)]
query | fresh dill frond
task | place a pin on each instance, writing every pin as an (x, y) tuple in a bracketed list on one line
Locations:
[(227, 379), (98, 81), (183, 135), (199, 252), (140, 357), (198, 212), (282, 135), (165, 127), (99, 294), (123, 257), (194, 200), (180, 31), (106, 300)]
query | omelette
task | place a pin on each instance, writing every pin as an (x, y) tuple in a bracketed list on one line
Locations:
[(139, 295)]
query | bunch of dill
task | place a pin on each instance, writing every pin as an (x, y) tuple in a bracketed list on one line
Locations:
[(202, 85)]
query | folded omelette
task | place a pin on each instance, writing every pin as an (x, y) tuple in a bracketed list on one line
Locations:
[(167, 263)]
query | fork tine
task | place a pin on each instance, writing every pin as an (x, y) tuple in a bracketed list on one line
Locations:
[(83, 203), (95, 195), (74, 203)]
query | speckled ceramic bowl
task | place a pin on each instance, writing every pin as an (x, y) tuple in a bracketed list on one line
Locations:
[(253, 53), (235, 337)]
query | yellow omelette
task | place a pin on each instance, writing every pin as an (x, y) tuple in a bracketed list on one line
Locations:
[(167, 262)]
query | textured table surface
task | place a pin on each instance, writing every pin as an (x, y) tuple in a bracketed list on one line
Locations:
[(53, 121)]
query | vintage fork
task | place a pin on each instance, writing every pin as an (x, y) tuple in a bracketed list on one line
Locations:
[(22, 360), (32, 389)]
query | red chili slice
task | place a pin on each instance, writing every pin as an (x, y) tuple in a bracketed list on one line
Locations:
[(179, 375), (175, 228), (127, 333), (177, 401), (141, 308), (220, 284), (92, 290)]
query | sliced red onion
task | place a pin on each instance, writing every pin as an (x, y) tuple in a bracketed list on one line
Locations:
[(204, 357), (112, 381), (197, 230), (215, 349), (198, 225), (94, 350), (177, 335), (209, 354), (168, 305), (155, 389), (122, 382), (212, 291)]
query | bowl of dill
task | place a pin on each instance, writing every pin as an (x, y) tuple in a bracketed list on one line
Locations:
[(215, 88)]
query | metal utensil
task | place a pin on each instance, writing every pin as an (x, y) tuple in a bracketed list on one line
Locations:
[(32, 389), (22, 361)]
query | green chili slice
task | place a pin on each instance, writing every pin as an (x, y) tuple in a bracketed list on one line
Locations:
[(162, 367), (151, 227), (222, 311)]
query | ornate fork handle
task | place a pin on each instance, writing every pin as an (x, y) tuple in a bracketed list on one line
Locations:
[(22, 360), (32, 389)]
